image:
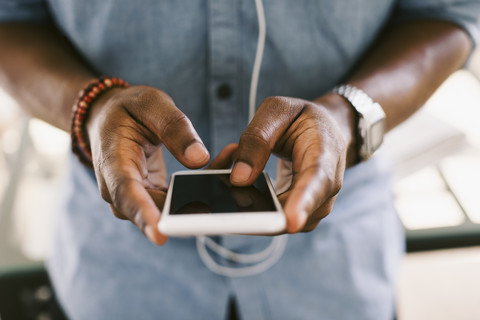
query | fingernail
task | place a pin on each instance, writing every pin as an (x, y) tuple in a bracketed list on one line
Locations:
[(241, 172), (196, 153), (149, 233)]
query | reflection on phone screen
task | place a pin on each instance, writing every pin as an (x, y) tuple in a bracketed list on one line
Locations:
[(212, 193)]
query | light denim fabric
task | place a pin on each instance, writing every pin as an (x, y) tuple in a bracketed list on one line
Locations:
[(104, 268)]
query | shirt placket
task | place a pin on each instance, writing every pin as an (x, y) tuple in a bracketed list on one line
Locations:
[(223, 73)]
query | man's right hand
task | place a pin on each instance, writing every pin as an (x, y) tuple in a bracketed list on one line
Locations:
[(127, 128)]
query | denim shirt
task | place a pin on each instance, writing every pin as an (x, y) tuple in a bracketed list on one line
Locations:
[(201, 53)]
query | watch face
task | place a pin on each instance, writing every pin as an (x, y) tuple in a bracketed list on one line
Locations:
[(377, 130)]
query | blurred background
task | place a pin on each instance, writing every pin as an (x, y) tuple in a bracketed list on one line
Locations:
[(435, 154)]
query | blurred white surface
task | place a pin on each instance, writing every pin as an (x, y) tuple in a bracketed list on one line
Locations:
[(462, 172), (440, 285), (29, 185), (424, 201)]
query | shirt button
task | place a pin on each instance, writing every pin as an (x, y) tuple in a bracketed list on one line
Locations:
[(224, 91)]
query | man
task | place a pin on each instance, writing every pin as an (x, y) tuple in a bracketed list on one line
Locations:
[(189, 65)]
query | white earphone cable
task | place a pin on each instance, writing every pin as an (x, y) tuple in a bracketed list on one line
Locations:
[(262, 32), (266, 258), (239, 257), (278, 244)]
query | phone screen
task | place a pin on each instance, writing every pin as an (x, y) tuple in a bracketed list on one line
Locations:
[(213, 193)]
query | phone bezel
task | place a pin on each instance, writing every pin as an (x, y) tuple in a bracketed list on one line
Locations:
[(268, 222)]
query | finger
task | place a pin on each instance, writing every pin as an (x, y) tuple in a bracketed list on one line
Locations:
[(139, 207), (149, 229), (311, 188), (124, 175), (224, 159), (173, 128), (159, 182), (318, 215), (271, 120), (158, 197)]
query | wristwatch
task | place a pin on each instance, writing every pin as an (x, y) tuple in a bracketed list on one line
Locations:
[(371, 119)]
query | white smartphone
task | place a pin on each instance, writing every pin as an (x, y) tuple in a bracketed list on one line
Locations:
[(205, 203)]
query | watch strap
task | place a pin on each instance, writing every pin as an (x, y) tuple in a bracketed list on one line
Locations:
[(371, 119)]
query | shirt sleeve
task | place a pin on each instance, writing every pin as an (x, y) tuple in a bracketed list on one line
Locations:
[(464, 13), (24, 10)]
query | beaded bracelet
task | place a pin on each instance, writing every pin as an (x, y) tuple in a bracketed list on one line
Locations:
[(81, 111)]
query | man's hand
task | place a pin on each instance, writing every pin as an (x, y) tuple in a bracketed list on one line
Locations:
[(312, 140), (126, 129)]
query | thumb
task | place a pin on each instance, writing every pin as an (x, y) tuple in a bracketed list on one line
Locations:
[(272, 119)]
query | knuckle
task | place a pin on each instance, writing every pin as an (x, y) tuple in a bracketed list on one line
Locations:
[(148, 96), (256, 136), (327, 207), (105, 194), (310, 228), (337, 187), (274, 101), (332, 175), (172, 121), (102, 187), (334, 182), (274, 104), (284, 105), (117, 214), (311, 225), (318, 216)]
